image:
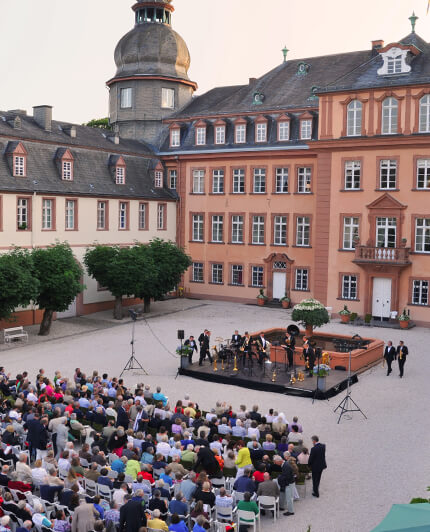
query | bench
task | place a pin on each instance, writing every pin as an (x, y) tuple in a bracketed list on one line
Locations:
[(15, 333)]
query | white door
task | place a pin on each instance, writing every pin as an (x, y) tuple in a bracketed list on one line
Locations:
[(70, 312), (279, 284), (381, 301)]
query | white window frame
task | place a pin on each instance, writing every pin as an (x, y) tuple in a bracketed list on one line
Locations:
[(304, 180), (258, 230), (198, 272), (218, 181), (281, 185), (126, 98), (261, 132), (198, 181), (237, 274), (217, 273), (197, 228), (257, 276), (424, 114), (422, 235), (351, 228), (101, 215), (123, 215), (47, 214), (350, 287), (280, 230), (167, 98), (237, 226), (19, 166), (158, 179), (22, 212), (67, 170), (352, 175), (303, 231), (219, 134), (240, 134), (120, 175), (217, 228), (259, 181), (423, 174), (354, 117), (420, 292), (394, 64), (301, 279), (142, 216), (173, 179), (201, 136), (284, 130), (390, 110), (387, 172), (238, 181), (70, 215), (306, 129), (161, 209), (175, 137)]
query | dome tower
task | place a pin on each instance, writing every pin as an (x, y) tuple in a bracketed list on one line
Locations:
[(151, 81)]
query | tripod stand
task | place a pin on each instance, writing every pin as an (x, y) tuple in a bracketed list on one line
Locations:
[(133, 363), (347, 404)]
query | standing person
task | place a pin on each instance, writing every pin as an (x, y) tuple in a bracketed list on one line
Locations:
[(262, 345), (286, 482), (132, 514), (317, 464), (246, 348), (205, 348), (402, 353), (389, 355), (193, 344), (236, 339), (289, 345), (309, 356)]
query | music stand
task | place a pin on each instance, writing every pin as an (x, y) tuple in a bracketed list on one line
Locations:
[(133, 363)]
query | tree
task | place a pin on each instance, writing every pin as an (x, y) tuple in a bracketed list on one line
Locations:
[(18, 285), (99, 123), (170, 262), (121, 270), (59, 276), (310, 313)]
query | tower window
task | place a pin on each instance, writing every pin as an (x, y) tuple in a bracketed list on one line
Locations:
[(168, 98), (126, 98)]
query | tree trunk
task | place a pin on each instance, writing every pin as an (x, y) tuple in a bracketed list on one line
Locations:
[(146, 304), (45, 326), (309, 330), (117, 309)]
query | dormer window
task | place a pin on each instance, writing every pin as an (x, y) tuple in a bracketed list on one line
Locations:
[(240, 133), (17, 159), (67, 171), (158, 179), (19, 166), (261, 130), (306, 129), (394, 57), (120, 175), (201, 136), (219, 134), (118, 169), (64, 160), (175, 137), (394, 65), (283, 128)]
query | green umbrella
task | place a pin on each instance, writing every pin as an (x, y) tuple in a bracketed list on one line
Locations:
[(404, 517)]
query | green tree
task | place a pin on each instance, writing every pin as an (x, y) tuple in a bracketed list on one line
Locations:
[(99, 123), (59, 276), (310, 313), (18, 285), (170, 263)]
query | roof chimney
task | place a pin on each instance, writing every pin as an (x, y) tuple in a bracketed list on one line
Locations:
[(70, 130), (252, 81), (377, 45), (42, 115), (114, 138)]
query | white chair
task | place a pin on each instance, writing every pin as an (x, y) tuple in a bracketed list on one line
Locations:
[(84, 463), (62, 473), (218, 482), (105, 492), (90, 487), (223, 513), (238, 495), (267, 503), (158, 472), (112, 457), (249, 519), (128, 479), (112, 474)]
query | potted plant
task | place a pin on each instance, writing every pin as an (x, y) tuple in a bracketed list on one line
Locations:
[(345, 315), (22, 227), (310, 313), (322, 371), (404, 319), (367, 319), (261, 298), (285, 301), (184, 352)]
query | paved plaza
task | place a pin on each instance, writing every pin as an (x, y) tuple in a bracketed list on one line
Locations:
[(372, 463)]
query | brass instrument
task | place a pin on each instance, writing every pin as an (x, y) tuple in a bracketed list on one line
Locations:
[(245, 344), (214, 349), (307, 363), (274, 376), (235, 363)]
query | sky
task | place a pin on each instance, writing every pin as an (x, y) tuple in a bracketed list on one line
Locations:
[(60, 52)]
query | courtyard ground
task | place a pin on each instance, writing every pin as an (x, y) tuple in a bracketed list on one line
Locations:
[(372, 463)]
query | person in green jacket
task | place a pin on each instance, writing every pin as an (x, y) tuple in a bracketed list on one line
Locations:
[(133, 467), (247, 505)]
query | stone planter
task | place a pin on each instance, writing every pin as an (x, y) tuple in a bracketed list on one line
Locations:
[(261, 301), (285, 304), (184, 362), (322, 384), (403, 324), (344, 318)]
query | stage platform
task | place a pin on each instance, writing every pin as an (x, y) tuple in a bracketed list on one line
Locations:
[(336, 381)]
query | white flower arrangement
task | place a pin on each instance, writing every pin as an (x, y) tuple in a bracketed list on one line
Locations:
[(309, 304)]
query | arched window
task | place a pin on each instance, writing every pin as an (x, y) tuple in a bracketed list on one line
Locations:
[(425, 114), (353, 119), (389, 116)]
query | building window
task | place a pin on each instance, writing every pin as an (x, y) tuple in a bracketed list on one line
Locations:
[(259, 181), (218, 182), (281, 180), (238, 181), (101, 215), (175, 137), (198, 228), (220, 135), (306, 129), (198, 272), (23, 217), (257, 273), (173, 177), (240, 134), (126, 98), (394, 64), (237, 274), (304, 180), (350, 232), (352, 175), (217, 228), (424, 114), (168, 98), (354, 115), (386, 230), (161, 213), (422, 235), (198, 182), (237, 229), (280, 230), (420, 292), (123, 215), (303, 230), (18, 166), (67, 170), (423, 174), (47, 214), (284, 131), (120, 175), (142, 216), (258, 229), (217, 273), (158, 179), (349, 287), (201, 136), (387, 174), (70, 215), (261, 132), (389, 116), (301, 279)]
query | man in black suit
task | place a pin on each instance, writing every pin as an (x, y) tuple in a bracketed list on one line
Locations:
[(289, 345), (193, 344), (262, 345), (245, 348), (309, 356), (402, 353), (389, 355), (317, 464), (132, 514), (236, 339), (205, 348)]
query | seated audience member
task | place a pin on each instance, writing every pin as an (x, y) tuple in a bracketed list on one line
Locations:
[(104, 479), (205, 494), (247, 504), (157, 503), (269, 445), (303, 457), (199, 510), (177, 525), (244, 483), (178, 505), (295, 436)]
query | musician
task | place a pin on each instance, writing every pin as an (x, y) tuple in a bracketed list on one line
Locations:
[(402, 353), (205, 347), (289, 345), (201, 338), (245, 348), (193, 344), (262, 345), (236, 339), (309, 356), (389, 355)]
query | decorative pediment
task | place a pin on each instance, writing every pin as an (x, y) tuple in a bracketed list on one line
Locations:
[(240, 120), (16, 148), (116, 160), (278, 257), (306, 116), (175, 125), (261, 119), (200, 123), (386, 201), (64, 154), (284, 118), (407, 47)]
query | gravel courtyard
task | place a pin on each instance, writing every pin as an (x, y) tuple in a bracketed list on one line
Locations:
[(372, 463)]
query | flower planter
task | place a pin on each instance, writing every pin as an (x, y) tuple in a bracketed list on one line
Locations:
[(184, 362), (344, 318), (285, 304), (322, 384), (261, 301), (403, 324)]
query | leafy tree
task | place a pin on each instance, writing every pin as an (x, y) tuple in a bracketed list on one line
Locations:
[(18, 285), (310, 313), (99, 123), (170, 262), (59, 276)]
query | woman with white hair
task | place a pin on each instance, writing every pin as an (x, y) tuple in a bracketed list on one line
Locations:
[(39, 518), (163, 447), (238, 429), (176, 450)]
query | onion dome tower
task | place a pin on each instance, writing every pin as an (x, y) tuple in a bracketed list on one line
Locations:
[(151, 82)]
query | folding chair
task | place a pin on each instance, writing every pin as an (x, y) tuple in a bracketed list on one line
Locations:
[(248, 519), (267, 503)]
